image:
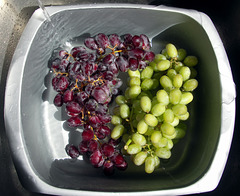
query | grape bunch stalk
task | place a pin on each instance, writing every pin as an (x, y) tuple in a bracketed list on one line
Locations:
[(150, 116), (86, 80)]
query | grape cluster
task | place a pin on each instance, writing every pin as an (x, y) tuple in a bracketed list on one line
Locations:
[(86, 79), (150, 116)]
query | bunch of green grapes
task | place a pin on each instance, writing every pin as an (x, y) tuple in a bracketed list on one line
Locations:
[(150, 116)]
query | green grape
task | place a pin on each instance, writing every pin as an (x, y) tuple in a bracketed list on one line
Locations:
[(175, 121), (184, 116), (185, 72), (134, 73), (149, 131), (126, 94), (147, 84), (116, 120), (153, 65), (154, 101), (163, 65), (159, 57), (157, 75), (134, 81), (182, 53), (177, 80), (190, 61), (187, 98), (134, 149), (164, 52), (180, 132), (149, 165), (167, 129), (169, 145), (170, 136), (157, 161), (171, 50), (147, 73), (162, 97), (136, 104), (145, 93), (156, 137), (146, 104), (175, 96), (125, 137), (134, 91), (134, 123), (166, 82), (158, 109), (168, 116), (171, 73), (155, 84), (151, 120), (117, 132), (140, 158), (160, 118), (177, 66), (163, 153), (161, 143), (193, 72), (190, 85), (179, 109), (124, 111), (120, 99), (139, 139), (140, 116), (116, 111), (142, 127)]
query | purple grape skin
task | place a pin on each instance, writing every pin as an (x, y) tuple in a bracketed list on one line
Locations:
[(137, 41), (101, 95), (127, 39), (102, 40), (83, 147), (56, 63), (96, 158), (74, 107), (58, 100), (91, 43), (149, 56), (142, 64), (62, 83), (114, 40), (92, 145), (137, 53), (63, 54), (77, 50), (67, 96), (133, 64), (113, 68), (91, 105), (55, 82), (145, 42), (122, 64), (72, 151), (108, 150), (82, 97), (75, 121), (109, 59), (108, 168), (87, 134)]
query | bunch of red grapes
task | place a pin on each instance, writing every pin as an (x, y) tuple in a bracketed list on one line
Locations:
[(86, 79)]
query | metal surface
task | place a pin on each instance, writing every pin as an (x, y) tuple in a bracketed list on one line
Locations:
[(35, 145)]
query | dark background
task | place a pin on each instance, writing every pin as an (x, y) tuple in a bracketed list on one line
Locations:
[(226, 17)]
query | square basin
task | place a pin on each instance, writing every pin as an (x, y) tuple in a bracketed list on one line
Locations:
[(36, 128)]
